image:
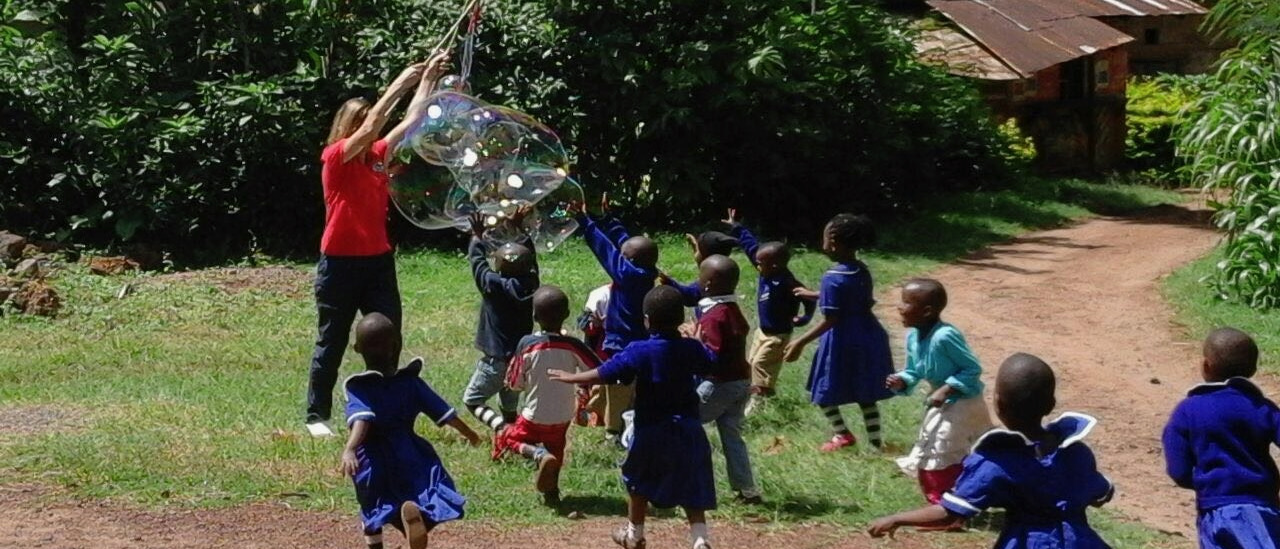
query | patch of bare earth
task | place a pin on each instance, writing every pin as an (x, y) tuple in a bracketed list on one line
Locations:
[(1086, 299), (37, 419), (37, 516), (282, 280)]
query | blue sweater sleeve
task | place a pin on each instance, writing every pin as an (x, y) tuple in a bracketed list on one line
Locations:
[(966, 374), (690, 294), (606, 252), (746, 240), (486, 279), (1179, 457), (614, 230), (910, 375)]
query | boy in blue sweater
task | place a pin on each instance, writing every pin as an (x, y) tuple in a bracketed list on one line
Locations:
[(777, 306), (1217, 443), (506, 315), (631, 263)]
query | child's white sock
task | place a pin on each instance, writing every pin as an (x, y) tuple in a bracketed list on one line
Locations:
[(698, 533), (635, 531)]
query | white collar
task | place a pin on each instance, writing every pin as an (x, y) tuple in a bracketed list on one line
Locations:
[(1082, 430), (414, 367), (705, 304), (1232, 381)]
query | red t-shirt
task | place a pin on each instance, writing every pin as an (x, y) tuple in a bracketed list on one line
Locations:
[(355, 202)]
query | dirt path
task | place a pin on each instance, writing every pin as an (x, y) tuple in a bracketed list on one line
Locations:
[(1085, 298)]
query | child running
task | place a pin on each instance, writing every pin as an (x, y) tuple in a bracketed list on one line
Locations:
[(727, 387), (631, 263), (539, 433), (1044, 476), (398, 477), (853, 357), (956, 415), (669, 462), (1218, 443), (506, 315), (777, 306)]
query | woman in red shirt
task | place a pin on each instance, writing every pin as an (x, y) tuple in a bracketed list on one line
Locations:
[(357, 269)]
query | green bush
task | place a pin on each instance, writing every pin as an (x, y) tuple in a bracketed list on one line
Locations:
[(1156, 106), (1233, 148), (197, 125)]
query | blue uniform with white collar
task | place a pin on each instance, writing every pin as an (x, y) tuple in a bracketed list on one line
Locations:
[(395, 464), (624, 316), (853, 357), (1218, 442), (1045, 497)]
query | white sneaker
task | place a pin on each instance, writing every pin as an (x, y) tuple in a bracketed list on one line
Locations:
[(320, 429), (755, 402), (701, 543)]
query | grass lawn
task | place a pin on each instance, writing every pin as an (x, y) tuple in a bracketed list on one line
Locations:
[(1200, 311), (186, 394)]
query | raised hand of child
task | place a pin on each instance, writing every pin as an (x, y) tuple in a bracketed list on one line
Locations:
[(895, 383), (477, 224), (805, 293), (693, 241), (350, 464), (732, 218), (604, 204), (882, 527), (518, 216)]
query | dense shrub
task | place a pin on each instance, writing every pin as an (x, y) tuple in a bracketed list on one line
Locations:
[(196, 125), (1156, 106), (1233, 148)]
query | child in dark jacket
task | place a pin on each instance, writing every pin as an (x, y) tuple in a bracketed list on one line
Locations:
[(506, 315), (1218, 443)]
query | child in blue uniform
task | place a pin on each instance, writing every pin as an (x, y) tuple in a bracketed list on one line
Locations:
[(777, 307), (853, 357), (631, 263), (398, 477), (955, 415), (1218, 443), (669, 461), (506, 315), (1044, 476)]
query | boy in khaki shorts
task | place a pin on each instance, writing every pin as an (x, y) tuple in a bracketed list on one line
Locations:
[(778, 308)]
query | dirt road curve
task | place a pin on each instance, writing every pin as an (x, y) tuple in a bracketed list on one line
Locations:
[(1085, 298)]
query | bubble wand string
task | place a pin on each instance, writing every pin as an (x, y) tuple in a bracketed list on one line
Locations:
[(452, 34)]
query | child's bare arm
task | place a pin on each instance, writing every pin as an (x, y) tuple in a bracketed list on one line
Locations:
[(589, 377), (463, 429), (359, 431), (919, 517), (794, 348)]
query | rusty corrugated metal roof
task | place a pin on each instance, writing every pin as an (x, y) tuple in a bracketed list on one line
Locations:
[(1028, 35), (961, 56), (1130, 8)]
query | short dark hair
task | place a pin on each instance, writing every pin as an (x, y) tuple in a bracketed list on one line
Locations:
[(716, 243), (550, 304), (934, 292), (664, 307), (852, 231), (1025, 385), (1231, 353)]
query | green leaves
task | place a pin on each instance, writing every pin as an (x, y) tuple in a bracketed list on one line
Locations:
[(1232, 149)]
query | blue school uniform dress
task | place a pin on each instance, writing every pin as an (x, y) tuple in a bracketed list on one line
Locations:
[(669, 461), (1045, 498), (1218, 442), (624, 317), (397, 465), (853, 357)]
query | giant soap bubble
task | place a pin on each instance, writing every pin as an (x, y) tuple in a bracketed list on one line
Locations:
[(466, 157)]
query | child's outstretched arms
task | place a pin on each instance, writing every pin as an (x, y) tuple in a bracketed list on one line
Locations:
[(350, 463), (747, 241), (588, 377), (923, 516)]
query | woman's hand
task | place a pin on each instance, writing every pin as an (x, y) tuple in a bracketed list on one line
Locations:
[(436, 64)]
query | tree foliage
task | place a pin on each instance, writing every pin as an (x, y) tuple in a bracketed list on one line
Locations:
[(1233, 148), (196, 125)]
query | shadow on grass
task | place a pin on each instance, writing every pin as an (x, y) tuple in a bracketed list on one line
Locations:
[(803, 508), (593, 505)]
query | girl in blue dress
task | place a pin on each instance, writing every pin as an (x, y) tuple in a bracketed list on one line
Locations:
[(398, 477), (1043, 475), (853, 357), (669, 461)]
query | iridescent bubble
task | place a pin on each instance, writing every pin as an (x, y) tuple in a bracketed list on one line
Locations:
[(552, 220), (420, 190), (496, 181), (436, 136), (453, 82)]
